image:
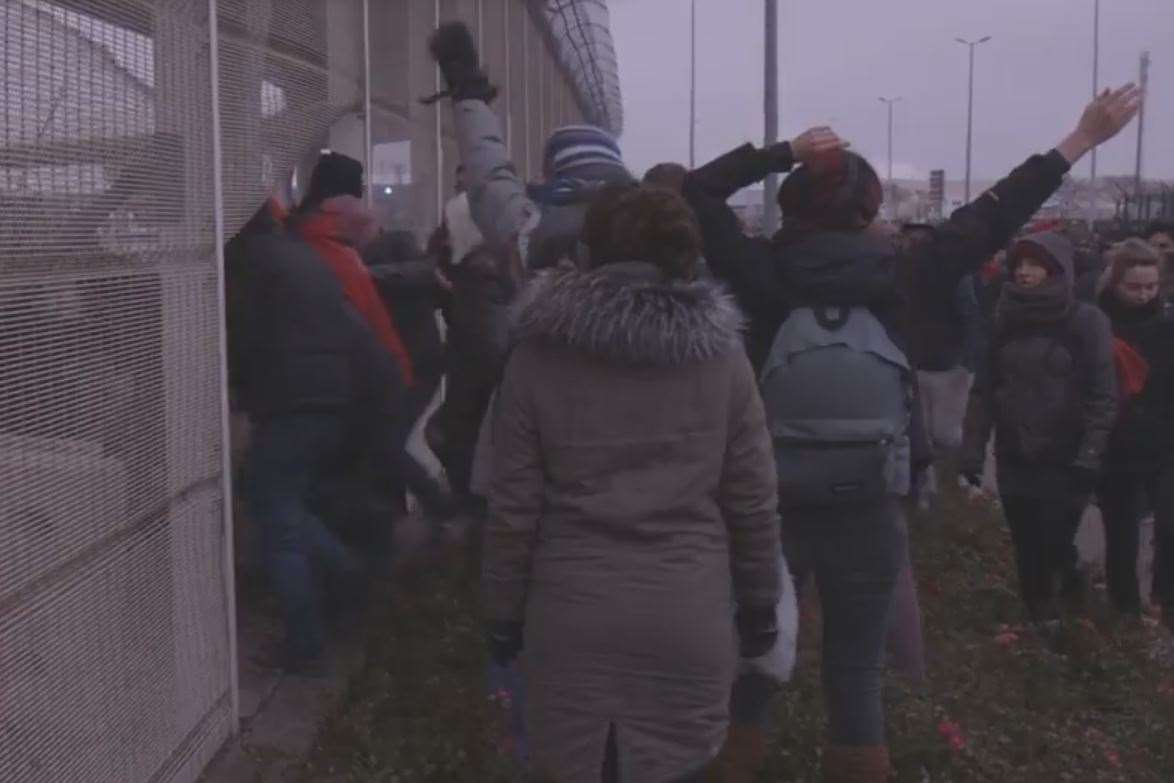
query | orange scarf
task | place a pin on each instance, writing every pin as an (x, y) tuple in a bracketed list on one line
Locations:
[(334, 230)]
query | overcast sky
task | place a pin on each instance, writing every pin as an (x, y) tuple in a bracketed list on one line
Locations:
[(838, 56)]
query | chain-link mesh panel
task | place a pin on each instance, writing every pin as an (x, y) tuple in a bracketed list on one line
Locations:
[(581, 31), (291, 84), (114, 636), (520, 33), (494, 16), (535, 136), (114, 629)]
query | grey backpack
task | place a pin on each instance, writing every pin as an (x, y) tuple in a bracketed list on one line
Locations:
[(838, 397)]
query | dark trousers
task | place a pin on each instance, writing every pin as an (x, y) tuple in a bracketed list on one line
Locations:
[(410, 474), (975, 435), (289, 458), (1164, 541), (1043, 530), (856, 555), (466, 400), (1125, 499)]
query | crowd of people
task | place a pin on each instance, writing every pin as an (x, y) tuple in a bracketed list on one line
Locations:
[(645, 407)]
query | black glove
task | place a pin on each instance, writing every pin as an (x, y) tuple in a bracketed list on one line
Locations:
[(1086, 479), (456, 53), (505, 641), (757, 630)]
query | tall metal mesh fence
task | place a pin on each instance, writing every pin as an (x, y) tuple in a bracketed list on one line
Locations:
[(116, 638), (114, 635), (581, 33)]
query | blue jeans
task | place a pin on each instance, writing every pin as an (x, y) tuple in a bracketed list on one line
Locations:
[(856, 555), (288, 457)]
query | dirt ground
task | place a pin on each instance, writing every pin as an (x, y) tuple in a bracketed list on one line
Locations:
[(1000, 703)]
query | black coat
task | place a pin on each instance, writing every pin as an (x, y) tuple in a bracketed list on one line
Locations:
[(923, 282), (407, 282), (296, 343), (1145, 427), (1052, 390)]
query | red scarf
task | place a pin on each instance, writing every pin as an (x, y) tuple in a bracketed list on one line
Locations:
[(1132, 369), (334, 230)]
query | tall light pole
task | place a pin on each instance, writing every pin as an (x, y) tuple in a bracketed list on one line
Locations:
[(1096, 80), (970, 108), (693, 86), (770, 207), (1143, 82), (892, 191)]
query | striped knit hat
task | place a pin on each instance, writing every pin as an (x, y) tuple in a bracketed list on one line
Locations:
[(576, 146)]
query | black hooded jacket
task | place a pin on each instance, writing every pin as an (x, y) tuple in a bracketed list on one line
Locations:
[(770, 276), (1052, 390), (407, 283)]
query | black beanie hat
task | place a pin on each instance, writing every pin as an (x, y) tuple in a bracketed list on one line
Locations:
[(335, 174), (836, 191)]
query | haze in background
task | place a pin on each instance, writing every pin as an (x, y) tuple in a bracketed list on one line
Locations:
[(838, 56)]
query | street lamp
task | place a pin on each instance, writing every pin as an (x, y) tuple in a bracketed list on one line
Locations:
[(693, 86), (770, 204), (892, 191), (970, 108), (1096, 80)]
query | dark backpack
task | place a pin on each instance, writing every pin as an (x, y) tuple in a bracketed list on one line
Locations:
[(838, 394)]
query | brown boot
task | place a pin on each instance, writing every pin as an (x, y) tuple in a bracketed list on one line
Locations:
[(742, 756), (849, 764)]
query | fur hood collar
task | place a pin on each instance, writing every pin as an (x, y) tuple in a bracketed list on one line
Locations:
[(628, 314)]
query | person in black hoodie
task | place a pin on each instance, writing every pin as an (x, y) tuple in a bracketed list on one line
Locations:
[(1052, 397), (829, 254), (1130, 294)]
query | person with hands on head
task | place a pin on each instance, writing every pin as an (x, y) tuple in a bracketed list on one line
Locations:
[(850, 287), (756, 268), (742, 261)]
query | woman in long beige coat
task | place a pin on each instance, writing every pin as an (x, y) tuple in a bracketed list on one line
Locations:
[(632, 505)]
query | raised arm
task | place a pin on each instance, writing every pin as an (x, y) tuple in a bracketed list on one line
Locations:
[(747, 264), (497, 195), (978, 230)]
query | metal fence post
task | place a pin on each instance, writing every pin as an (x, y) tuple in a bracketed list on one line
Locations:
[(369, 150), (229, 575)]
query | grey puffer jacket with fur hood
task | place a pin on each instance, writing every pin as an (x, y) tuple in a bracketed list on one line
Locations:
[(632, 502)]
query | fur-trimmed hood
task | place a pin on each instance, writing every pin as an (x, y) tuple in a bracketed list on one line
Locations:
[(629, 314)]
